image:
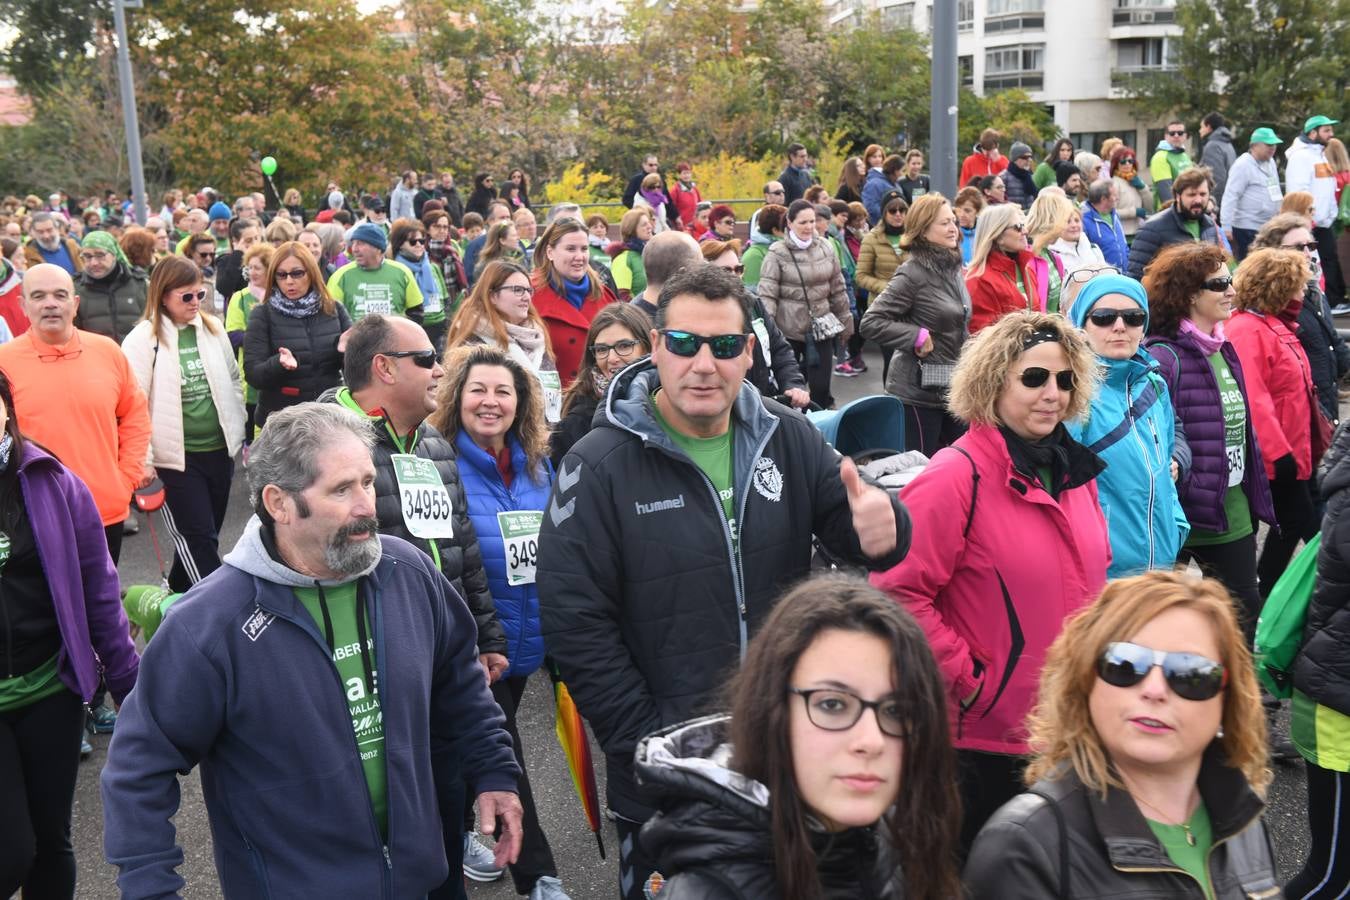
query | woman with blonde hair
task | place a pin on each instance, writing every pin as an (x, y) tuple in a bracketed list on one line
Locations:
[(280, 231), (503, 242), (1001, 275), (1009, 538), (291, 202), (1045, 224), (257, 259), (636, 228), (184, 363), (1150, 758)]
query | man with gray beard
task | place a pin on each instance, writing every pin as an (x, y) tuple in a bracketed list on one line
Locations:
[(325, 679)]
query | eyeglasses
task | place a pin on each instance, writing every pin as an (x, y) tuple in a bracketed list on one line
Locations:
[(1105, 318), (417, 242), (1310, 247), (425, 359), (734, 270), (292, 275), (1220, 284), (91, 255), (188, 296), (1090, 271), (1018, 227), (723, 346), (60, 355), (1189, 675), (622, 349), (835, 710), (1036, 376), (516, 289), (1175, 133)]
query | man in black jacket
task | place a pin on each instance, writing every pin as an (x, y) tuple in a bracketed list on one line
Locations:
[(675, 525), (796, 178), (1184, 220), (111, 289)]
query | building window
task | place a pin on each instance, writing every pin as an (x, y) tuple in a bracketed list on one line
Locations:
[(965, 68), (1144, 12), (1091, 141), (965, 15), (900, 15), (1137, 56), (1017, 66), (1014, 15), (1009, 7)]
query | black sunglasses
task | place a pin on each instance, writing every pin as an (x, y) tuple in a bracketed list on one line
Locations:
[(1105, 318), (188, 296), (425, 359), (417, 241), (1220, 284), (724, 346), (830, 709), (1175, 133), (1189, 675), (1036, 376)]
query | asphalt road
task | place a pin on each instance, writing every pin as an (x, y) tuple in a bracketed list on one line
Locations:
[(584, 874)]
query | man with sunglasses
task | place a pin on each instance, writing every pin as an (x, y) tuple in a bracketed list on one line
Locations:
[(1169, 160), (674, 525), (1252, 196)]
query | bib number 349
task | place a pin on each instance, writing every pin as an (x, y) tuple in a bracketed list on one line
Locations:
[(520, 537), (425, 502)]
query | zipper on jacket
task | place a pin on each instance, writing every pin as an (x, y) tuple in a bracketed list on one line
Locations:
[(1148, 464), (1180, 871)]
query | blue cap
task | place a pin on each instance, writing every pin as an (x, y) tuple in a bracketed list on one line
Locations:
[(218, 211), (1101, 285), (370, 234)]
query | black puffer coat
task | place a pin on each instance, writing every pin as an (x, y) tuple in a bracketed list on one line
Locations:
[(460, 559), (1164, 230), (1322, 668), (1328, 355), (712, 840), (312, 341), (111, 306)]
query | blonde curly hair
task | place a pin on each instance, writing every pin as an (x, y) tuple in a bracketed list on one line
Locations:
[(1268, 279)]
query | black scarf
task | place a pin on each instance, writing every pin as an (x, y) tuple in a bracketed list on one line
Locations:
[(1071, 464), (892, 230)]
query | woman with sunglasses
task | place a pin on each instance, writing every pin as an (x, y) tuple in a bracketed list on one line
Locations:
[(499, 313), (257, 259), (832, 774), (491, 408), (186, 366), (635, 230), (921, 317), (292, 347), (568, 292), (1001, 277), (1150, 761), (1134, 201), (1009, 538), (1131, 425), (1190, 298), (408, 245), (1290, 427)]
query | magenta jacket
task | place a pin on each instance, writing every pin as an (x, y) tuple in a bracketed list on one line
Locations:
[(81, 576), (993, 600)]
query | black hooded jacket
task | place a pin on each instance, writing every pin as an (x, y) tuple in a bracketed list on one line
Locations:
[(1322, 668), (481, 198)]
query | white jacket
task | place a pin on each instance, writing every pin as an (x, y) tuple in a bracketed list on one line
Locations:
[(1079, 254), (1306, 169), (158, 359)]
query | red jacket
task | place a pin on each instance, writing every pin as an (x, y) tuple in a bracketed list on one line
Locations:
[(567, 325), (1000, 594), (994, 294), (686, 200), (977, 165), (11, 295), (1280, 388)]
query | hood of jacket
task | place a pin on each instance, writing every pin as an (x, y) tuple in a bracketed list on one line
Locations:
[(1222, 134), (256, 554)]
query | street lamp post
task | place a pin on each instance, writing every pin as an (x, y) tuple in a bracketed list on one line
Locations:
[(129, 117), (942, 166)]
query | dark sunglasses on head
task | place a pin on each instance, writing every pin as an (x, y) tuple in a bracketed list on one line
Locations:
[(425, 359), (1036, 376), (1220, 284), (1189, 675), (723, 346), (188, 296), (1105, 318)]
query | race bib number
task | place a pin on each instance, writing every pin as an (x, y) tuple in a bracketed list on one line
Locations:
[(1237, 463), (427, 512), (1273, 189), (520, 537), (377, 306), (553, 395), (762, 338)]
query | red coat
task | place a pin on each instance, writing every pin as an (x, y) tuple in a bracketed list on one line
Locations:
[(1280, 389), (686, 202), (994, 294), (11, 295), (1000, 594), (977, 165), (567, 325)]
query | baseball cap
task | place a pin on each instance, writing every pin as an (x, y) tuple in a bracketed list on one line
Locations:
[(1318, 122), (1265, 136)]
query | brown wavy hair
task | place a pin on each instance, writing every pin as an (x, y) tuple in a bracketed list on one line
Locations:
[(629, 316), (327, 305), (1269, 278), (1173, 278), (1062, 732), (923, 823), (477, 307), (712, 249), (1272, 233), (529, 426), (921, 217), (1300, 203)]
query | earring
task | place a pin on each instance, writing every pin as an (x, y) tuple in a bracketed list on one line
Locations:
[(1219, 734)]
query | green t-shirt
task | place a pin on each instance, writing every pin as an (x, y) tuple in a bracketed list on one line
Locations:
[(363, 700), (201, 421), (237, 311), (390, 290), (713, 456), (1192, 227), (1179, 849), (1235, 505), (1054, 283), (30, 687)]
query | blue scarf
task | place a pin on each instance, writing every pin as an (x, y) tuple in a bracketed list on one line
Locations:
[(426, 279), (576, 292), (635, 245)]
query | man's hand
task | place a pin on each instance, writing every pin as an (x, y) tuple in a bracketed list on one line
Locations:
[(287, 358), (873, 515), (503, 805), (798, 397), (494, 664)]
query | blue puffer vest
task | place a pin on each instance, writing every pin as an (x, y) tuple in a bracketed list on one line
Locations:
[(488, 495)]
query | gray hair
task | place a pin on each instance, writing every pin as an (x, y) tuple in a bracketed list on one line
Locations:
[(41, 217), (1098, 191), (286, 453), (668, 253), (559, 210)]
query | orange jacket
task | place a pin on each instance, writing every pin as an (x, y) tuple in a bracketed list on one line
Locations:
[(81, 402)]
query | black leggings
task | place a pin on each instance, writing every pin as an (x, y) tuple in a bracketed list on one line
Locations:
[(929, 429), (193, 513), (818, 375), (39, 759), (1234, 565), (1326, 874), (1296, 511), (987, 781)]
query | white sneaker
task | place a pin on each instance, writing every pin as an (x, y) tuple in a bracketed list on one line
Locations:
[(548, 888), (478, 862)]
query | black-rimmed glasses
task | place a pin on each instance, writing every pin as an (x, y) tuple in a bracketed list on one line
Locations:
[(831, 709)]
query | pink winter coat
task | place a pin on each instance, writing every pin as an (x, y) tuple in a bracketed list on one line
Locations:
[(992, 601)]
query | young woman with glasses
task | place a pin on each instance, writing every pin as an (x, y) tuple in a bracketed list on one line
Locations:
[(186, 366), (1150, 761), (292, 348), (499, 312), (1009, 538), (831, 777)]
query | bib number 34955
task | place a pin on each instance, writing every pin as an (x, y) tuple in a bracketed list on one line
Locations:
[(425, 502), (520, 535)]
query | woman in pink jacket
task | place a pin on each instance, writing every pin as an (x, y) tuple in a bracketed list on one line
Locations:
[(1009, 540)]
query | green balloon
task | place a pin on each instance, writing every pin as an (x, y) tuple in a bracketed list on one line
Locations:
[(269, 165)]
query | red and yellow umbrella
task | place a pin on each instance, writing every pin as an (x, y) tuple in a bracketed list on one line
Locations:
[(571, 731)]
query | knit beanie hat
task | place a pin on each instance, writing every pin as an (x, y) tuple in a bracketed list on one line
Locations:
[(371, 234), (218, 211), (1101, 285), (1018, 150), (102, 240)]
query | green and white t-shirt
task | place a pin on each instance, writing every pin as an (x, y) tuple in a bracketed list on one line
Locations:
[(390, 290), (201, 421), (1235, 505)]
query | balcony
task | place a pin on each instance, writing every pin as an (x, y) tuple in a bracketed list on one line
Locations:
[(1127, 76), (1034, 22), (1136, 16), (1031, 81)]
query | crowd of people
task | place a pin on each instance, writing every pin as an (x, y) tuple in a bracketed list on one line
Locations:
[(480, 442)]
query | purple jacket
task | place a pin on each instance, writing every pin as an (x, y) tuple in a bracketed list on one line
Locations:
[(1195, 394), (81, 576)]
